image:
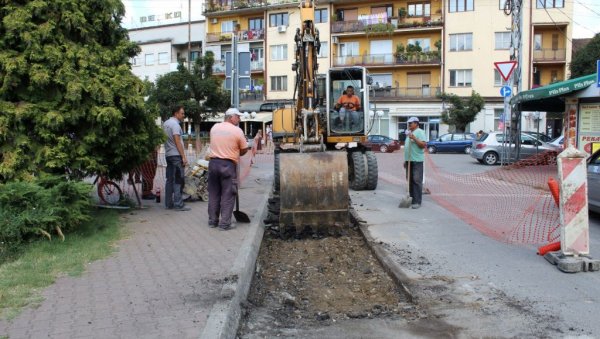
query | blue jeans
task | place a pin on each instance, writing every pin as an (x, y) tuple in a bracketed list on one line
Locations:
[(175, 180)]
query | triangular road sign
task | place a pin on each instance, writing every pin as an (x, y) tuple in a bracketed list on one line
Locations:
[(505, 68)]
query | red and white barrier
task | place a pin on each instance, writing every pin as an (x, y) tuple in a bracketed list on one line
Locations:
[(574, 235)]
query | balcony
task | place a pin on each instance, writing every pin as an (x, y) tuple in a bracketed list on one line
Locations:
[(255, 66), (214, 6), (258, 65), (219, 67), (246, 35), (389, 92), (252, 95), (413, 58), (548, 54), (392, 24)]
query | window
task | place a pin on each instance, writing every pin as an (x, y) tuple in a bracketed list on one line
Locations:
[(347, 15), (497, 78), (537, 42), (279, 52), (163, 58), (446, 137), (348, 49), (227, 26), (381, 81), (194, 55), (425, 44), (550, 3), (255, 23), (554, 41), (502, 4), (324, 50), (458, 137), (461, 42), (149, 60), (461, 77), (135, 61), (419, 9), (321, 15), (383, 9), (498, 117), (460, 5), (279, 83), (502, 40), (278, 19)]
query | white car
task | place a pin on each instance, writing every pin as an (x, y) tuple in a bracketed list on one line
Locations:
[(558, 142)]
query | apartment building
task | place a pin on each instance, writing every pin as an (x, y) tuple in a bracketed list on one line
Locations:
[(162, 47), (414, 50)]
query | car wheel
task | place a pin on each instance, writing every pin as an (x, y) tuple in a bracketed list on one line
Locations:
[(467, 149), (490, 158), (383, 148), (431, 149)]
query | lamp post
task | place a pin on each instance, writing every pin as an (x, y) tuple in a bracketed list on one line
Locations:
[(536, 116)]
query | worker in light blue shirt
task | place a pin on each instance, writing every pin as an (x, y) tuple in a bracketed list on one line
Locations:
[(414, 155)]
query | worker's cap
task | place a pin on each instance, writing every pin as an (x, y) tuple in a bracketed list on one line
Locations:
[(233, 111), (413, 119)]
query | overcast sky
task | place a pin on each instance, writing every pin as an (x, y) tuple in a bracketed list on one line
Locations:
[(586, 17)]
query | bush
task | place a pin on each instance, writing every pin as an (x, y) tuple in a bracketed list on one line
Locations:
[(46, 206)]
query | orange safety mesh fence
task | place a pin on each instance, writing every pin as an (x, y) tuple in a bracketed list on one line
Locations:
[(510, 203)]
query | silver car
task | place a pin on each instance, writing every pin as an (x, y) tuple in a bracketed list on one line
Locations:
[(489, 148), (593, 174)]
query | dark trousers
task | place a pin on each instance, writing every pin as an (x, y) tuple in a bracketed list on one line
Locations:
[(175, 181), (222, 189), (415, 181)]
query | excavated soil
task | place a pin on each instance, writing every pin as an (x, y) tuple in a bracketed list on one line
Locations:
[(317, 282)]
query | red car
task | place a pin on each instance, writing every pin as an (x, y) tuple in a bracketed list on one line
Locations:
[(382, 143)]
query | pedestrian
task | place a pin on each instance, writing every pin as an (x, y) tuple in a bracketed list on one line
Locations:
[(414, 154), (269, 141), (258, 141), (176, 160), (478, 135), (227, 145)]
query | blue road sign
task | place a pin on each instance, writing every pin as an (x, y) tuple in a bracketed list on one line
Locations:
[(505, 91), (598, 73)]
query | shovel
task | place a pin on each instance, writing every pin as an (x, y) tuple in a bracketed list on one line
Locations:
[(239, 215), (407, 200)]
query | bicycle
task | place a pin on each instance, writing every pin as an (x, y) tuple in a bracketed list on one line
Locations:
[(108, 191)]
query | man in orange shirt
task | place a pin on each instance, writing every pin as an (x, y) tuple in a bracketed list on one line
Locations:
[(227, 145), (348, 104)]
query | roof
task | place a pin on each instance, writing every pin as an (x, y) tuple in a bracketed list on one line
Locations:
[(549, 98)]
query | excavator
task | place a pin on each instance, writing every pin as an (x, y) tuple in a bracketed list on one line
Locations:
[(319, 151)]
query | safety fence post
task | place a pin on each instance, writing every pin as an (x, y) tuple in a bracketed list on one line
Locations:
[(574, 219)]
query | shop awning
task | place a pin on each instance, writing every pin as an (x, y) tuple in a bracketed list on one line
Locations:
[(549, 98)]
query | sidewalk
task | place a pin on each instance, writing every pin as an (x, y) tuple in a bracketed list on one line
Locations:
[(164, 279)]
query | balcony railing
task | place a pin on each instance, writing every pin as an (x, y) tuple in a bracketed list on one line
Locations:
[(412, 58), (211, 6), (255, 95), (258, 65), (351, 26), (405, 92), (549, 54), (219, 67), (246, 35)]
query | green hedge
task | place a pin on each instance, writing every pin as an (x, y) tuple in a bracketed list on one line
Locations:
[(45, 207)]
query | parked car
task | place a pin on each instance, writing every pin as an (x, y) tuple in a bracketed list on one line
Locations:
[(593, 174), (271, 106), (540, 136), (558, 142), (488, 149), (382, 143), (452, 142)]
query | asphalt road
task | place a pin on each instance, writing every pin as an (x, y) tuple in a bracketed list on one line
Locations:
[(521, 288)]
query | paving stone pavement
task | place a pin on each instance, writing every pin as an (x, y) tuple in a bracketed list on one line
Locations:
[(162, 281)]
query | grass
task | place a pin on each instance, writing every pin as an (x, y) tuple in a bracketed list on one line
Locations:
[(40, 263)]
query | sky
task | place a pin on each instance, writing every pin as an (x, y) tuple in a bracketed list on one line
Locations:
[(586, 14)]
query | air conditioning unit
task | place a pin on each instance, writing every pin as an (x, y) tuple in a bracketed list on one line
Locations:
[(281, 29), (335, 40), (213, 20)]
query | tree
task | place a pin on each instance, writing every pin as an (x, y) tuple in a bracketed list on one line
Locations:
[(461, 112), (199, 91), (584, 61), (67, 95)]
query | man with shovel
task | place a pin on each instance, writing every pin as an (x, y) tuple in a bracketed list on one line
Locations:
[(227, 145), (414, 155)]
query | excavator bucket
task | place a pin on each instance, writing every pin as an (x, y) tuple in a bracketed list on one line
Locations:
[(313, 190)]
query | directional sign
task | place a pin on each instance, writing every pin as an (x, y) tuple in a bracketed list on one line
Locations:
[(598, 73), (505, 68), (505, 91)]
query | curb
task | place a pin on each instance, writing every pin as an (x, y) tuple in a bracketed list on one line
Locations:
[(225, 316)]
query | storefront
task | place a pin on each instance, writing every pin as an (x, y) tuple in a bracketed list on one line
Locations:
[(579, 102)]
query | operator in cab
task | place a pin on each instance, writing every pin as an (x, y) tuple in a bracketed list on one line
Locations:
[(347, 105)]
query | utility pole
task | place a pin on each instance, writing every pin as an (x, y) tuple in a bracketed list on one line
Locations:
[(189, 34), (516, 48)]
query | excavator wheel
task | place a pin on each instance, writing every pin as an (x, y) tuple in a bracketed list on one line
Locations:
[(276, 171), (357, 171), (372, 170)]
